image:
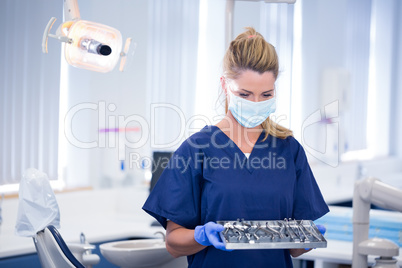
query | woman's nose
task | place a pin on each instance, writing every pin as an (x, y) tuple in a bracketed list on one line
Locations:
[(256, 99)]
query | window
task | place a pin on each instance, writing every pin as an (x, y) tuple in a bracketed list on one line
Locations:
[(348, 79)]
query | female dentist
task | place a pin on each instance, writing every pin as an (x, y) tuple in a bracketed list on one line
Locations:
[(246, 166)]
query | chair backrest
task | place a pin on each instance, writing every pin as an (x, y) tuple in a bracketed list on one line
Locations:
[(53, 251), (159, 161)]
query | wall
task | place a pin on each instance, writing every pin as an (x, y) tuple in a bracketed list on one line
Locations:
[(396, 134), (329, 42), (324, 36), (323, 47)]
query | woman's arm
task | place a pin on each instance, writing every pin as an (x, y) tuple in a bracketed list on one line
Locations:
[(180, 241)]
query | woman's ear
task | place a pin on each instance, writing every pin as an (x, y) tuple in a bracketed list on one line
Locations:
[(224, 85)]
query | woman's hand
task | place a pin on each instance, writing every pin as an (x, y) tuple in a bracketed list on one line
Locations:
[(208, 235), (181, 241), (296, 252)]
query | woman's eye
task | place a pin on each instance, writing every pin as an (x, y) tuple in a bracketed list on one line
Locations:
[(244, 95), (267, 95)]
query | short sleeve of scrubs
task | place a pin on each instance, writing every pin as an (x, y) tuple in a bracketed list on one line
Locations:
[(308, 200), (177, 193)]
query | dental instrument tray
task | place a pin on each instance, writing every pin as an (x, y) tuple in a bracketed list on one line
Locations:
[(259, 234)]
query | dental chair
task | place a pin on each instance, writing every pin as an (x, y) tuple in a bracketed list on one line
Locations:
[(53, 252)]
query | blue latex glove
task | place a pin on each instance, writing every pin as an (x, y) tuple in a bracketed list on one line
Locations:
[(208, 235), (322, 230)]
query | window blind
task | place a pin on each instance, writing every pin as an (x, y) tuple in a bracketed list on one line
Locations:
[(357, 62), (29, 90), (172, 60)]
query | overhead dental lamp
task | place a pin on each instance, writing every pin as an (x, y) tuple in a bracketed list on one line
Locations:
[(88, 45)]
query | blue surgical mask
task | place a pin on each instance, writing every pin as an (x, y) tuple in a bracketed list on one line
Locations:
[(250, 114)]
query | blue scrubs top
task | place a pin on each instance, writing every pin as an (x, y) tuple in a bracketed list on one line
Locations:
[(209, 178)]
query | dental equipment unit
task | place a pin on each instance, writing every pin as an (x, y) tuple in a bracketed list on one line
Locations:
[(366, 192), (88, 45)]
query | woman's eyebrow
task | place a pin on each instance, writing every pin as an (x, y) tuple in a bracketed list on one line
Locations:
[(250, 92)]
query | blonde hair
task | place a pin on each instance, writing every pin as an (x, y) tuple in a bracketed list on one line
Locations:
[(250, 51)]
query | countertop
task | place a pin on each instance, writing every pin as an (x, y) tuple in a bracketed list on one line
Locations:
[(96, 230), (102, 215)]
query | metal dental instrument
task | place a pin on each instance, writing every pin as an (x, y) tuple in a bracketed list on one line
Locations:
[(311, 231), (230, 226), (238, 230), (292, 234), (273, 230), (296, 229), (227, 228), (264, 230), (247, 232), (301, 227), (307, 232), (282, 227), (256, 236)]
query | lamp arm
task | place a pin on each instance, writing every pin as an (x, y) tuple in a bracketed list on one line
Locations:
[(386, 196), (71, 10), (366, 192)]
